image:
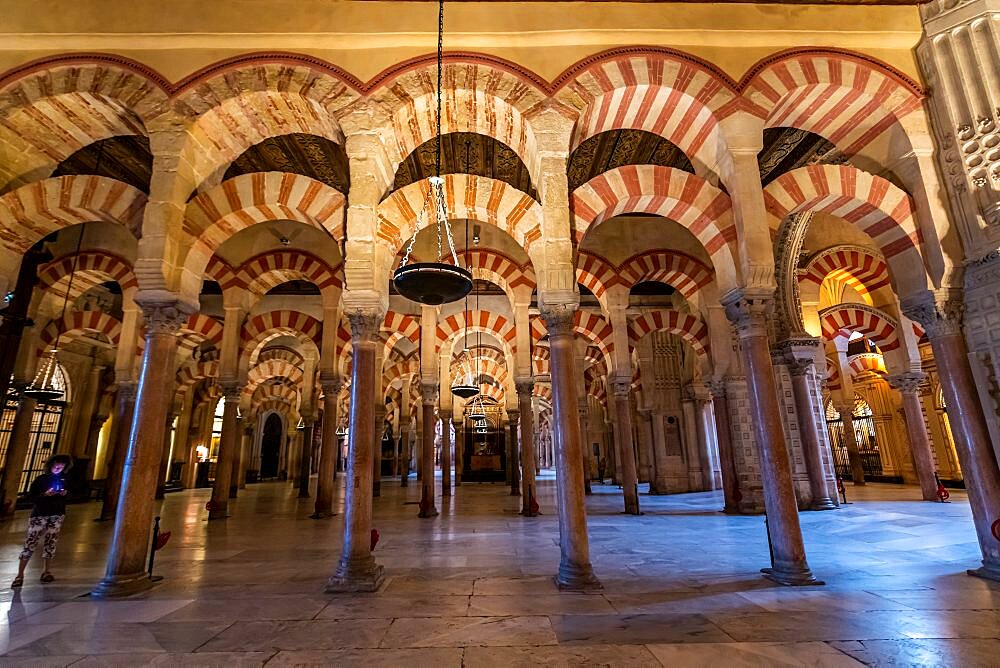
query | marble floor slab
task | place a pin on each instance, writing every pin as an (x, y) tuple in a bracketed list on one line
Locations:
[(473, 587)]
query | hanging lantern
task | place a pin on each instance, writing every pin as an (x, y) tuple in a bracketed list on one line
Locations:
[(481, 426), (466, 387), (440, 282), (43, 387), (476, 409)]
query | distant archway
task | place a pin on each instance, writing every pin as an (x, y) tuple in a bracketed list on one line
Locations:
[(270, 446)]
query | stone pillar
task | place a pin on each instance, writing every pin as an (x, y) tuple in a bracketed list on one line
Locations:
[(515, 452), (357, 569), (87, 405), (646, 446), (118, 439), (800, 358), (17, 451), (583, 410), (161, 480), (748, 311), (626, 453), (445, 452), (941, 318), (846, 411), (428, 396), (218, 508), (529, 496), (305, 461), (575, 570), (126, 571), (727, 459), (660, 484), (459, 449), (377, 444), (328, 450), (908, 385), (234, 477), (404, 472), (246, 445)]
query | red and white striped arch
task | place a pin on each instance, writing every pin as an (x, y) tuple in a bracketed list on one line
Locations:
[(841, 320), (859, 268), (591, 326), (281, 353), (689, 327), (402, 369), (263, 327), (679, 270), (677, 195), (833, 382), (224, 274), (666, 93), (867, 363), (189, 374), (203, 328), (498, 268), (93, 267), (845, 98), (90, 322), (469, 196), (871, 203), (595, 273), (266, 271), (278, 406), (281, 391), (274, 368), (540, 356), (497, 324), (398, 326), (34, 211)]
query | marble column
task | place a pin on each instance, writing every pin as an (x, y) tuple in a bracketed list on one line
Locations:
[(941, 318), (660, 484), (377, 446), (229, 441), (846, 411), (800, 358), (575, 570), (87, 406), (749, 310), (445, 453), (529, 497), (513, 453), (246, 444), (908, 385), (121, 429), (626, 453), (17, 451), (428, 395), (727, 458), (404, 472), (161, 480), (126, 570), (646, 436), (357, 569), (236, 474), (305, 461), (459, 450), (584, 410), (325, 480)]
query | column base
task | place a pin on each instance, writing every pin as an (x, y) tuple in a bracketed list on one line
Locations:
[(824, 503), (797, 578), (322, 515), (430, 512), (577, 578), (515, 492), (352, 576), (122, 586), (218, 514), (986, 572)]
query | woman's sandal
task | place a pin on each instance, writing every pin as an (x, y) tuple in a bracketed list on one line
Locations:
[(18, 581), (47, 577)]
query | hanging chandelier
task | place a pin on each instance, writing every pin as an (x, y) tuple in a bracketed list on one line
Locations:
[(439, 282), (477, 411), (466, 387)]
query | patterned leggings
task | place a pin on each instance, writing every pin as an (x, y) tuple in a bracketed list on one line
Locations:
[(37, 527)]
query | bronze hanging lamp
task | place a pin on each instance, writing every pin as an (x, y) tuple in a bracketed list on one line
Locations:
[(439, 282)]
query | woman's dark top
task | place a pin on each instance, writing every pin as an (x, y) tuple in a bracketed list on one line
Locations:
[(45, 506)]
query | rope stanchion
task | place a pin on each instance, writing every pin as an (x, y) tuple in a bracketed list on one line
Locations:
[(942, 494)]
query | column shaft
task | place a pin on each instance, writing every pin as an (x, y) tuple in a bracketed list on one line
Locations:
[(121, 429), (445, 453), (809, 434), (429, 397), (727, 459), (219, 505), (17, 451), (851, 441), (626, 452), (660, 478), (328, 452)]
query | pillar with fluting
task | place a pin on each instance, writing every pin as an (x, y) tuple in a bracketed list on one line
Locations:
[(748, 310), (325, 479), (428, 397), (941, 317), (218, 507), (17, 451), (445, 453), (800, 356), (908, 385), (620, 390), (126, 570)]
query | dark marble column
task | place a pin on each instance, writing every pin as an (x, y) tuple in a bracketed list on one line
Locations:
[(17, 451), (584, 410), (445, 452), (161, 480), (305, 461), (620, 389), (377, 446), (800, 357), (513, 453), (529, 497), (662, 485), (459, 450), (748, 311), (229, 441), (727, 459), (428, 395), (118, 439), (407, 454), (575, 569), (237, 471), (908, 385), (126, 571), (846, 411), (941, 317), (357, 569), (328, 450)]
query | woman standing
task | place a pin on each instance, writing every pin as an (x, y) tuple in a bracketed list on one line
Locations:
[(48, 496)]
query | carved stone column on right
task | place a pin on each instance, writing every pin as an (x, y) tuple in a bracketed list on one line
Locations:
[(908, 385)]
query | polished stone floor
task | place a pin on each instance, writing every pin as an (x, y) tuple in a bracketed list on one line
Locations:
[(473, 587)]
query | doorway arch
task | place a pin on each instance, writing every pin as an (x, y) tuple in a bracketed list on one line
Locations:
[(270, 446)]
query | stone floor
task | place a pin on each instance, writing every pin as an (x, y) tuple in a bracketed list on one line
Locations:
[(474, 587)]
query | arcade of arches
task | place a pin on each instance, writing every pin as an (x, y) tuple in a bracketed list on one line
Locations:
[(754, 269)]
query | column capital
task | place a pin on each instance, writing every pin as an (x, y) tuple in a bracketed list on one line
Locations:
[(716, 387), (940, 312), (798, 353), (748, 310), (332, 385), (513, 413), (364, 322), (908, 382), (429, 393), (698, 393), (164, 317), (127, 389), (445, 415), (524, 386), (231, 390), (560, 318), (621, 387)]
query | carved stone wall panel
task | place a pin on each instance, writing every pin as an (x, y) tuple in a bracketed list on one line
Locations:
[(748, 473)]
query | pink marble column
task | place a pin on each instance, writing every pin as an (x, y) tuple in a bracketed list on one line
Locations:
[(429, 395), (357, 569), (445, 453), (529, 495), (575, 570), (17, 451), (621, 388), (749, 311), (325, 480), (727, 459), (219, 505), (126, 571), (800, 356), (908, 385), (121, 428), (942, 320)]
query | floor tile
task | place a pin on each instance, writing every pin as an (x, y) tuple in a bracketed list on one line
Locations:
[(462, 631)]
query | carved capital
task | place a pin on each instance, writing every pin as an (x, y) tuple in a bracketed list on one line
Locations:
[(749, 310), (559, 319), (231, 390), (429, 393), (620, 387), (940, 314), (524, 387), (798, 354), (331, 386), (164, 317), (365, 324), (716, 387), (908, 382), (127, 390)]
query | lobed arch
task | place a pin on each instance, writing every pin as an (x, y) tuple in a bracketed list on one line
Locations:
[(93, 267), (81, 321), (871, 203), (840, 320), (687, 326), (690, 200), (860, 268)]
